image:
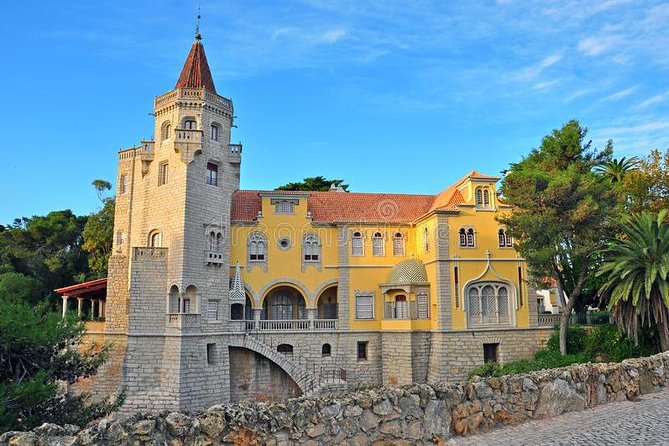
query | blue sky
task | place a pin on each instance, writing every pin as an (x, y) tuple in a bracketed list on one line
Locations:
[(392, 96)]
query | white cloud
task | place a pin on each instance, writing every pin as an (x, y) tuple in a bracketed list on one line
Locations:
[(596, 45), (655, 99), (532, 72), (620, 94), (332, 36), (545, 85)]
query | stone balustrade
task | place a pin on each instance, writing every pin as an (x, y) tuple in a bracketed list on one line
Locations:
[(548, 320)]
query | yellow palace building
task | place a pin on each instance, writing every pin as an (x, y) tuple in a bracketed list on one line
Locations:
[(217, 294)]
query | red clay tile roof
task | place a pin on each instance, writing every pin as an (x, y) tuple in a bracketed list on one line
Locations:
[(334, 207), (343, 207), (195, 73), (83, 288)]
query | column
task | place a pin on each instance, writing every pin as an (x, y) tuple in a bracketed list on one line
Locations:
[(311, 315), (80, 306), (256, 318), (65, 298)]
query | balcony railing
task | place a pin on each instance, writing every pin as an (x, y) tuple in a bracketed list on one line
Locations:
[(149, 253), (213, 257), (548, 320), (235, 153), (285, 325), (193, 93), (183, 320), (187, 136)]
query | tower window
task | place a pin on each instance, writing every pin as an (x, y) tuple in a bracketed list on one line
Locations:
[(212, 174), (471, 241), (326, 350), (122, 184), (214, 132), (163, 170), (155, 239), (166, 130), (463, 237), (211, 354), (479, 198), (190, 124), (486, 198), (426, 239)]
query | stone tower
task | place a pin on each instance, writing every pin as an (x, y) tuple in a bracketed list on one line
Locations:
[(169, 272)]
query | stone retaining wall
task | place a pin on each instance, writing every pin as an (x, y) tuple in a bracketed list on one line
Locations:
[(415, 414)]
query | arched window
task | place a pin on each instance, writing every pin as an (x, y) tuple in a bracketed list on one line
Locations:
[(155, 239), (401, 307), (312, 248), (190, 124), (356, 244), (257, 247), (174, 299), (326, 350), (212, 174), (398, 244), (471, 240), (166, 131), (488, 304), (426, 239), (214, 239), (486, 198), (214, 132), (504, 239), (463, 237), (479, 198), (377, 244), (189, 302)]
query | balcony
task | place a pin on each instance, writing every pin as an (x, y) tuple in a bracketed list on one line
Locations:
[(190, 94), (286, 325), (235, 153), (213, 258), (183, 321), (184, 136), (548, 320)]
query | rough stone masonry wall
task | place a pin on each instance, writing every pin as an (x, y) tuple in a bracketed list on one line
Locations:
[(415, 414)]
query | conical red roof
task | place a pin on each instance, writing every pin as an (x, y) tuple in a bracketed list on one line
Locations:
[(195, 73)]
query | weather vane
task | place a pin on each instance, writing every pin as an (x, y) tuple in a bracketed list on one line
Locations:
[(198, 36)]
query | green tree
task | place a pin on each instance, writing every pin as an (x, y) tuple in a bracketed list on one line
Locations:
[(99, 232), (19, 288), (318, 183), (647, 187), (37, 349), (637, 275), (562, 212)]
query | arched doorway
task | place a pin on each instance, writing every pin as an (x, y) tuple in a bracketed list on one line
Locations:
[(284, 303), (327, 304)]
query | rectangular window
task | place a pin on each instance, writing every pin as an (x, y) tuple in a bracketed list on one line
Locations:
[(212, 174), (211, 354), (163, 169), (457, 287), (122, 184), (364, 307), (212, 310), (356, 245), (422, 306), (377, 246), (119, 238), (362, 350), (214, 133), (490, 352)]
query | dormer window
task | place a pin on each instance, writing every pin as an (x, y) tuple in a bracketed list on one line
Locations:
[(190, 124), (284, 207), (486, 198), (479, 198), (483, 198)]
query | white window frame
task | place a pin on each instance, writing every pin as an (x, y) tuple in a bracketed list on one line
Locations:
[(476, 301), (257, 246), (398, 249), (311, 248), (365, 304), (357, 244)]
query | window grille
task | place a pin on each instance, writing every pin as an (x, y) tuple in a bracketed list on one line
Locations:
[(212, 310), (364, 307), (422, 306)]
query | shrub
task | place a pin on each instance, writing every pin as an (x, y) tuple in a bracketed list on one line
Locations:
[(575, 340)]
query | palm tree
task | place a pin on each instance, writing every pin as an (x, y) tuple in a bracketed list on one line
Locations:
[(636, 271), (615, 169)]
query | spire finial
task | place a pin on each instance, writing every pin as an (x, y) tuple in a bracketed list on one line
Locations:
[(198, 36)]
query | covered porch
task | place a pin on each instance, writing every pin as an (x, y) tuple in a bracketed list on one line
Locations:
[(88, 299)]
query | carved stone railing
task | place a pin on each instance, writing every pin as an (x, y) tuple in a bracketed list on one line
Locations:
[(187, 136), (548, 320), (149, 253), (213, 258), (326, 324), (284, 325), (183, 320)]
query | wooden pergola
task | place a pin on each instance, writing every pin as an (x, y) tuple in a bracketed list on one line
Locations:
[(92, 294)]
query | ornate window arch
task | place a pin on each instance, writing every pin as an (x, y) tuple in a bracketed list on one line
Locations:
[(311, 250), (486, 198), (504, 239), (463, 237), (488, 304), (471, 238), (214, 240), (479, 197), (165, 130), (189, 123), (256, 247), (155, 239)]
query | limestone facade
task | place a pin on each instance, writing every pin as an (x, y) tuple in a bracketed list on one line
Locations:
[(216, 294)]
